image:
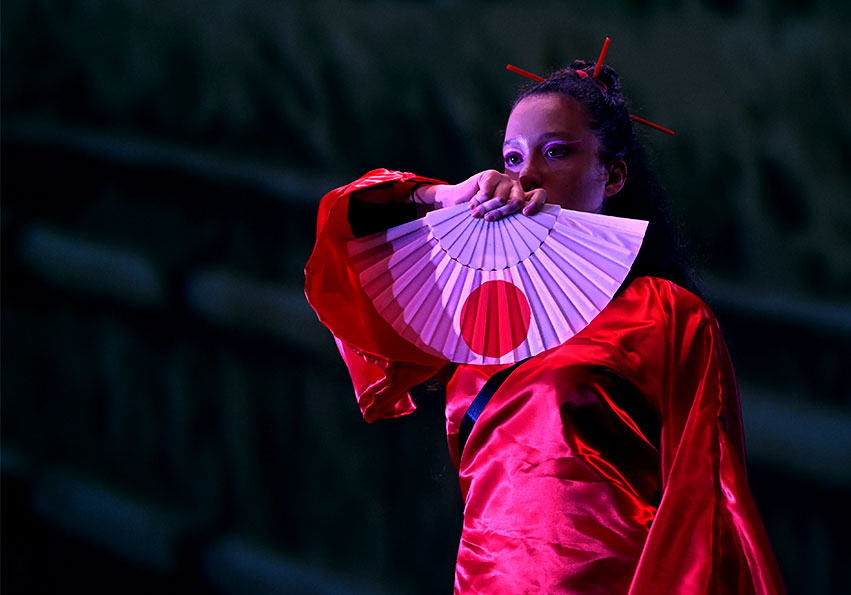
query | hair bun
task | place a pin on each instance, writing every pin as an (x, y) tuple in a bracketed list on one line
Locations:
[(607, 74), (610, 78), (583, 65)]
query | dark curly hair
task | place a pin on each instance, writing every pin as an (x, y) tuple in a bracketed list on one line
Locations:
[(663, 253)]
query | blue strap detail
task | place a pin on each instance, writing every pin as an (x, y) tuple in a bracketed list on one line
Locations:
[(478, 405)]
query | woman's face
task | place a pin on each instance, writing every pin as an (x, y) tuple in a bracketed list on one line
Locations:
[(549, 144)]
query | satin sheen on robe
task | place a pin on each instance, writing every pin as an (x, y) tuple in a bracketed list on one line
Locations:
[(611, 464)]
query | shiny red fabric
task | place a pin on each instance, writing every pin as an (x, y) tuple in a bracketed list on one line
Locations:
[(610, 464)]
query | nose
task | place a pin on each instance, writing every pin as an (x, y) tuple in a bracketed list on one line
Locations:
[(530, 175)]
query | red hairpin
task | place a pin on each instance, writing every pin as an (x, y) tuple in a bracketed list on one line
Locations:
[(583, 74), (526, 73), (602, 55)]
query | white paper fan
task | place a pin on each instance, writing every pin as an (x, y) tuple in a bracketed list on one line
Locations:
[(481, 292)]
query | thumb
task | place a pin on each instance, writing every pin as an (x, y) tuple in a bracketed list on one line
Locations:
[(468, 188), (448, 196)]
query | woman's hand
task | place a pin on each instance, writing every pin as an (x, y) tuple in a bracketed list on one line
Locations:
[(491, 194)]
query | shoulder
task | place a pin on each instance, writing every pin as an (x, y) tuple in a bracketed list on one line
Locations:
[(665, 291), (670, 299)]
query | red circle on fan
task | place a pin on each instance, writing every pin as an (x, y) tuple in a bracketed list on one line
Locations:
[(495, 318)]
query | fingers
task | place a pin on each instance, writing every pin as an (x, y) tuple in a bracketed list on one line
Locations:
[(535, 201), (447, 196), (468, 189), (499, 196), (495, 190), (492, 184), (503, 207)]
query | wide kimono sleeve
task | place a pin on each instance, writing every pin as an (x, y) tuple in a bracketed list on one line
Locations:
[(707, 536), (383, 366)]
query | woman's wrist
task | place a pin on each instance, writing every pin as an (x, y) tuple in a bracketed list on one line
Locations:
[(422, 193), (425, 195), (436, 196)]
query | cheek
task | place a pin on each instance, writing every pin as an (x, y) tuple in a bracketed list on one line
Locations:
[(594, 181), (585, 191), (584, 181), (599, 173)]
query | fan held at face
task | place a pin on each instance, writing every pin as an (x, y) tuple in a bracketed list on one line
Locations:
[(495, 292)]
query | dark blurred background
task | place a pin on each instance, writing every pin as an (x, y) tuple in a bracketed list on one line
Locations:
[(173, 415)]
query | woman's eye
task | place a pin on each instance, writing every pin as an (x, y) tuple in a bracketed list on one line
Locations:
[(512, 159), (556, 151)]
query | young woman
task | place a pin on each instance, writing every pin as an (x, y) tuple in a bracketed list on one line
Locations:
[(613, 463)]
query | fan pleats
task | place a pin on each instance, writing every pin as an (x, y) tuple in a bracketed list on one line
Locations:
[(522, 284)]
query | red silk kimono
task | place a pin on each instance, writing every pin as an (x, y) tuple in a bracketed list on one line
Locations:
[(610, 464)]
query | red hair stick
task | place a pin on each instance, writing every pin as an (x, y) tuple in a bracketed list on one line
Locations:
[(525, 73), (602, 57), (582, 74), (651, 124)]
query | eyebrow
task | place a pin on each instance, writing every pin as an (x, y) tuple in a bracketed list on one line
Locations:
[(548, 136)]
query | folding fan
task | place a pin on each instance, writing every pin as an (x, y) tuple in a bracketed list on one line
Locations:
[(495, 292)]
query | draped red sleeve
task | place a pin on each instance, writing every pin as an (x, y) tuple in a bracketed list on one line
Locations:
[(707, 536), (383, 366)]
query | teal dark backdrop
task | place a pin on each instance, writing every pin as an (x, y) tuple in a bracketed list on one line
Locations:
[(173, 415)]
